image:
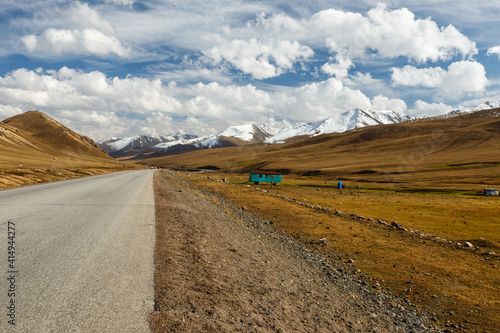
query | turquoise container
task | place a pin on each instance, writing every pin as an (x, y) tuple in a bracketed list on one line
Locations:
[(264, 177)]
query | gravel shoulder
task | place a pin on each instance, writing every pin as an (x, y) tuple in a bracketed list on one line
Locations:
[(222, 269)]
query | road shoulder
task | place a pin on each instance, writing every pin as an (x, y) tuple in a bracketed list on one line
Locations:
[(221, 269)]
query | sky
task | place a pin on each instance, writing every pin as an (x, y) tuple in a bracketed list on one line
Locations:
[(115, 68)]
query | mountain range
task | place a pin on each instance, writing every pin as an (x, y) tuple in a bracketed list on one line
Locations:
[(139, 144), (459, 148), (143, 146)]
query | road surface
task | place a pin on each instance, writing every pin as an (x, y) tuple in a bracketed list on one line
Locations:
[(82, 255)]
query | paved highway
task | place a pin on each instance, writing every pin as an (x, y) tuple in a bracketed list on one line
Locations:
[(82, 255)]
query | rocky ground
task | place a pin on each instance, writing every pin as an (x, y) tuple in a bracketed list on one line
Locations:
[(220, 268)]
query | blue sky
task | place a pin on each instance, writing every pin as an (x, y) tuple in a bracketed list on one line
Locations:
[(122, 67)]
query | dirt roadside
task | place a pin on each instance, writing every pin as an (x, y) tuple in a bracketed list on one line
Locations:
[(221, 269)]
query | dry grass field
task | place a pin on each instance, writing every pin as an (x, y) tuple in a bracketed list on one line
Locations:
[(35, 148), (427, 176), (459, 285)]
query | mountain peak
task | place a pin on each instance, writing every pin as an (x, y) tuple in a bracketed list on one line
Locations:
[(349, 120), (33, 122), (254, 132), (44, 130), (139, 144)]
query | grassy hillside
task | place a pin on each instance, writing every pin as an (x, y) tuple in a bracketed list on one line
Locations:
[(36, 148)]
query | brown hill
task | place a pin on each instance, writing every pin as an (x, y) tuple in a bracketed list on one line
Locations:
[(36, 148), (464, 148)]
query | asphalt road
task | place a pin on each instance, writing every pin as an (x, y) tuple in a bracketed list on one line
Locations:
[(83, 258)]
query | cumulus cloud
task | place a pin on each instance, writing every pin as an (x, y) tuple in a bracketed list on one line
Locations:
[(413, 76), (277, 23), (382, 32), (422, 108), (91, 97), (339, 68), (87, 41), (259, 58), (460, 78), (494, 51), (7, 111), (384, 103), (318, 100), (85, 33), (101, 106)]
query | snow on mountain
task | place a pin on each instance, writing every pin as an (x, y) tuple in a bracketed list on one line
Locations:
[(250, 133), (204, 142), (486, 106), (482, 106), (142, 143), (261, 133), (352, 119)]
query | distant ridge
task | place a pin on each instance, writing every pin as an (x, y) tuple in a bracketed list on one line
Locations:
[(143, 146), (139, 144), (242, 135), (461, 148)]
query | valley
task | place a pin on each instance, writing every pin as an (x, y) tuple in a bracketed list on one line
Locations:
[(411, 219)]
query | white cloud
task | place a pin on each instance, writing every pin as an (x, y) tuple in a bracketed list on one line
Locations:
[(463, 77), (494, 51), (218, 102), (259, 58), (277, 23), (121, 2), (359, 79), (389, 33), (91, 97), (78, 29), (319, 100), (384, 103), (340, 68), (87, 41), (85, 17), (422, 108), (7, 111), (413, 76), (100, 106)]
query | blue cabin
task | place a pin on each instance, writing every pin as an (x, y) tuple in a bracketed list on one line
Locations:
[(264, 177)]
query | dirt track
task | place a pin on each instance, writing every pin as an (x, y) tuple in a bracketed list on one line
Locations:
[(221, 269)]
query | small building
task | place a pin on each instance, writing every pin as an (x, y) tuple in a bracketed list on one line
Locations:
[(490, 191), (264, 177)]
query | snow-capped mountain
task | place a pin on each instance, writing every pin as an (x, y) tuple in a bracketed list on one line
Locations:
[(352, 119), (483, 106), (253, 133), (249, 132), (139, 143), (231, 136)]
